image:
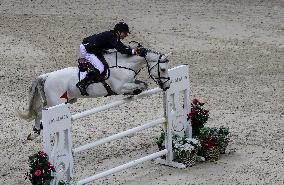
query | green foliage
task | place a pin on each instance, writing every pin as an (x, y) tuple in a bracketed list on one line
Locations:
[(161, 140)]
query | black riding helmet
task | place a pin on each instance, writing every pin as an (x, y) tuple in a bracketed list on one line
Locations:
[(122, 27)]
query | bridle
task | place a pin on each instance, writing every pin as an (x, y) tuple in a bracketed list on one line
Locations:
[(159, 80)]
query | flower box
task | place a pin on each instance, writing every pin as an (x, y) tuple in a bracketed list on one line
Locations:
[(214, 142), (212, 154), (189, 159), (184, 148)]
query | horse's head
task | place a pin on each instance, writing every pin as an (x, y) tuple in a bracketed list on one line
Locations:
[(157, 64)]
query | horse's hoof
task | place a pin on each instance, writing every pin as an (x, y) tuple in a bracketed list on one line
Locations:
[(32, 136), (143, 85), (137, 91)]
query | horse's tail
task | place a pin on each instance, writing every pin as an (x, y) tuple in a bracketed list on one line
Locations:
[(36, 94)]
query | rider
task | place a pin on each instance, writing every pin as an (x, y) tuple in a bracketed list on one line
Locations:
[(92, 49)]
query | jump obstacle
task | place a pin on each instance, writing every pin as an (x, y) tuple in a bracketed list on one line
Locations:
[(57, 121)]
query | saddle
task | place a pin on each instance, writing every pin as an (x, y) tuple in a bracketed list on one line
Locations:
[(85, 65)]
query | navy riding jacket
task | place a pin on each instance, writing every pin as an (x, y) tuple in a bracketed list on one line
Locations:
[(97, 43)]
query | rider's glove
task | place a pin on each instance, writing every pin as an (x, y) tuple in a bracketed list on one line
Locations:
[(142, 52)]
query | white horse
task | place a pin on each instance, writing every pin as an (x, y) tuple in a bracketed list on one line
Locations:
[(60, 86)]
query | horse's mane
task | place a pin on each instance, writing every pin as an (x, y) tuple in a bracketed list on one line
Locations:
[(153, 51), (109, 52)]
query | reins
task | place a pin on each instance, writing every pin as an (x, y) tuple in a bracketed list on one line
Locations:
[(122, 67)]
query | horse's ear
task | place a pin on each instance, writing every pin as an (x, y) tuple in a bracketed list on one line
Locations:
[(168, 54)]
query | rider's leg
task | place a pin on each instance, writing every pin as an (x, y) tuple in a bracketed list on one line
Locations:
[(91, 76), (95, 62), (87, 78), (92, 58)]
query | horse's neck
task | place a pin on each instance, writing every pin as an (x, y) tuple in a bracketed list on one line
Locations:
[(133, 62)]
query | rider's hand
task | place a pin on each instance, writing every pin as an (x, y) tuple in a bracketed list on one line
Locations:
[(142, 52), (136, 51)]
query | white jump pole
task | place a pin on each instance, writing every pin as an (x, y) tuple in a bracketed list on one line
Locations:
[(123, 167), (118, 136)]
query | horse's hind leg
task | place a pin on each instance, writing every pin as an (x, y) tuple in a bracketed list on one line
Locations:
[(38, 124), (38, 106), (37, 127)]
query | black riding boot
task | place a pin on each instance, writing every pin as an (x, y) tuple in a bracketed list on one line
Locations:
[(82, 86), (90, 78)]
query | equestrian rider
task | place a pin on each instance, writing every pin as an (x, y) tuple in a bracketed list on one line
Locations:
[(92, 48)]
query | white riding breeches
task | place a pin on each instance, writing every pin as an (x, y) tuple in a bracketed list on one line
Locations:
[(92, 58)]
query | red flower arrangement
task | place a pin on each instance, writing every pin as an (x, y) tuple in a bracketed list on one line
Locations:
[(208, 143), (213, 142), (41, 171), (198, 116)]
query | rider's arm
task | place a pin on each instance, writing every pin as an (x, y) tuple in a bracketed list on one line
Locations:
[(120, 47)]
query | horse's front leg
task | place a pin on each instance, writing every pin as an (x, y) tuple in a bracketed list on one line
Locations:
[(134, 88)]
